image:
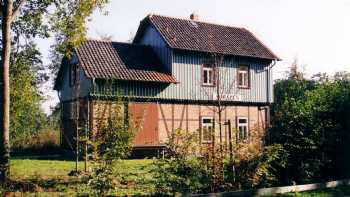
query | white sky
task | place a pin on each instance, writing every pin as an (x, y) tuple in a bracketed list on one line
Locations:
[(317, 32)]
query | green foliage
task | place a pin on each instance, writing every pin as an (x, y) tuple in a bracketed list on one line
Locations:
[(310, 121), (116, 138), (262, 169), (27, 71), (42, 142), (27, 118), (103, 181), (112, 142), (69, 21), (181, 171)]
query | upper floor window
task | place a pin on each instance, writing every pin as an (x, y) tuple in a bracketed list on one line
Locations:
[(73, 74), (243, 131), (208, 75), (243, 77), (207, 129)]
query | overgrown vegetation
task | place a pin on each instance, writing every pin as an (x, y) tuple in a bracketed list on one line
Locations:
[(187, 168), (311, 122), (111, 142), (181, 171), (27, 70)]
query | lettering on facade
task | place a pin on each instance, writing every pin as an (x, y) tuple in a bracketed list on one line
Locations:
[(228, 97)]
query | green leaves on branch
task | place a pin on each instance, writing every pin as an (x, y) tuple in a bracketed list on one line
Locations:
[(69, 23), (310, 121)]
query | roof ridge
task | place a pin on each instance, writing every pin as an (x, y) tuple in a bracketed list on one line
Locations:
[(204, 22), (115, 42)]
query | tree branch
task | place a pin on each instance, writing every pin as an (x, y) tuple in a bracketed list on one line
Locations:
[(18, 9)]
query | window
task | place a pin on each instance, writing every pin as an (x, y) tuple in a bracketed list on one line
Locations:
[(208, 75), (73, 74), (207, 129), (243, 131), (243, 77)]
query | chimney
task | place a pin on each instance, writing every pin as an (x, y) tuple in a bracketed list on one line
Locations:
[(194, 16)]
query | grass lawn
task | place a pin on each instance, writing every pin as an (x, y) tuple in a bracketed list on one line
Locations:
[(50, 177), (39, 177)]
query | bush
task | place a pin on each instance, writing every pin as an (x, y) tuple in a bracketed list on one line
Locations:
[(312, 124), (41, 142), (262, 168), (181, 171), (112, 142)]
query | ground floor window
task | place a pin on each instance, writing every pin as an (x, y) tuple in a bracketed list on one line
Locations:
[(243, 131), (207, 129)]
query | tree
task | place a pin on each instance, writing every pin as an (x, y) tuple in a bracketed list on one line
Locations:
[(69, 24), (295, 72), (309, 121), (22, 21), (9, 14), (112, 141), (27, 118)]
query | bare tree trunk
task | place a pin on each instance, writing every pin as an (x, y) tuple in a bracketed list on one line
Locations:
[(220, 130), (7, 8), (218, 93)]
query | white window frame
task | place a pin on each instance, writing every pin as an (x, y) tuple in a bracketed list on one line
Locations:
[(243, 77), (209, 71), (241, 136), (207, 126)]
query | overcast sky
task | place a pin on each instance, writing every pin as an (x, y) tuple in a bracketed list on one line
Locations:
[(316, 32)]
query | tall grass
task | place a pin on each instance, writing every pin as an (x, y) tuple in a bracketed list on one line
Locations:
[(43, 142)]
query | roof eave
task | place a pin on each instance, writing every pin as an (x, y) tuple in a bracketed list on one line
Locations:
[(229, 54)]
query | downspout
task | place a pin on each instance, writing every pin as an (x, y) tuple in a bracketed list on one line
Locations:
[(268, 80), (267, 108)]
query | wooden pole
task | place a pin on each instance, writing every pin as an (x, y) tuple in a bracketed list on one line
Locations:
[(77, 93), (77, 138), (230, 141), (87, 131)]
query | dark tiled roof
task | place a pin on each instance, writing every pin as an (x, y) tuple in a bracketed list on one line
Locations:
[(206, 37), (102, 59)]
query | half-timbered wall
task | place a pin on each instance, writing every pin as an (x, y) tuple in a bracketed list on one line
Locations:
[(155, 122), (188, 117)]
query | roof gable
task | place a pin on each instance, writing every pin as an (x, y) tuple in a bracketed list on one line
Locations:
[(206, 37)]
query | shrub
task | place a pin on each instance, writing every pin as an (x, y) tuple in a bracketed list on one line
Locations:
[(43, 141), (262, 168), (112, 142), (181, 171), (312, 124)]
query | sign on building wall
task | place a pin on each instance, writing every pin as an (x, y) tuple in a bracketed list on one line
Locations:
[(227, 97)]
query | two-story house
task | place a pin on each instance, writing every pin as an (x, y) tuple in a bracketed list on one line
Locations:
[(170, 75)]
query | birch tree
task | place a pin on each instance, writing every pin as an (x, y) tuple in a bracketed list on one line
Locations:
[(9, 11), (28, 14)]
